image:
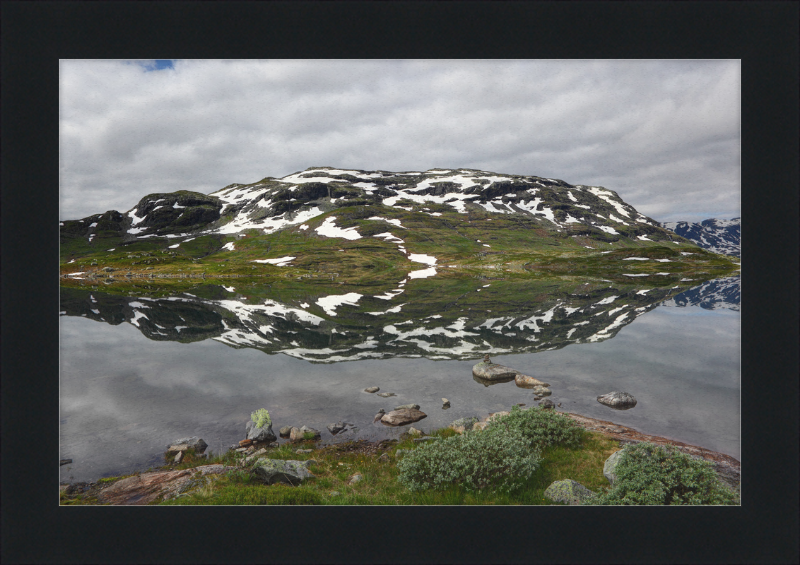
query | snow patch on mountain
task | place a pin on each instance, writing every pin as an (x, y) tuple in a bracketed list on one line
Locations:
[(719, 236)]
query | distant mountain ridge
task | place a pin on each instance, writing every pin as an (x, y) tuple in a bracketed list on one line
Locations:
[(719, 236), (273, 204)]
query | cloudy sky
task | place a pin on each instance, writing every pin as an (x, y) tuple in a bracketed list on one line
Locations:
[(665, 135)]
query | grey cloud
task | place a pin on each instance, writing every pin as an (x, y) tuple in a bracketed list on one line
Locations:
[(663, 134)]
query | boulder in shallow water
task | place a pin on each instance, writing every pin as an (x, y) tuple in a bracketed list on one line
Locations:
[(569, 491), (541, 391), (336, 428), (185, 443), (403, 417), (285, 430), (617, 400), (524, 381), (489, 371), (372, 389), (547, 404), (260, 434)]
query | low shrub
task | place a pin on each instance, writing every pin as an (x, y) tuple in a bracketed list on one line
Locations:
[(261, 417), (541, 428), (493, 458), (647, 474)]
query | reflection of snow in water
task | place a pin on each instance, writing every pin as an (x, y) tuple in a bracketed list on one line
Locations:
[(329, 303)]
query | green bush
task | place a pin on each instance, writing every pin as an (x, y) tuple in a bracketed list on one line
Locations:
[(261, 417), (650, 474), (475, 460), (541, 427)]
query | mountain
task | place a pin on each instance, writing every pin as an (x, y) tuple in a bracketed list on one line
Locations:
[(718, 293), (719, 236), (378, 227)]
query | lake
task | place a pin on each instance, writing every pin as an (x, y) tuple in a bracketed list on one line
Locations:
[(140, 370)]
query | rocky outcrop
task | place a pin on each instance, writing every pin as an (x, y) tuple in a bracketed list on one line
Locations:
[(149, 487), (263, 434), (617, 400), (726, 467), (568, 491), (403, 417), (291, 472)]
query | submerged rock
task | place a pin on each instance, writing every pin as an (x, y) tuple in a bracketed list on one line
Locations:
[(403, 417), (617, 400), (404, 406), (291, 472), (569, 491), (386, 394)]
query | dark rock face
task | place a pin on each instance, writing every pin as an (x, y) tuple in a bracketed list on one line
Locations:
[(617, 400), (403, 417), (568, 491), (176, 212), (290, 472)]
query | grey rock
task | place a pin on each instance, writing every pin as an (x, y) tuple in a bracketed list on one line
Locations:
[(178, 457), (304, 451), (569, 491), (403, 417), (378, 416), (372, 389), (284, 431), (386, 394), (335, 493), (617, 400), (415, 432), (335, 428), (383, 458), (271, 471), (445, 403), (610, 466), (409, 406), (355, 478), (491, 371), (401, 452), (463, 424), (541, 391), (547, 404), (193, 442), (299, 434), (524, 381), (264, 434)]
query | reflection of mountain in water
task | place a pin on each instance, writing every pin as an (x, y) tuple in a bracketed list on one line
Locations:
[(456, 322), (719, 293)]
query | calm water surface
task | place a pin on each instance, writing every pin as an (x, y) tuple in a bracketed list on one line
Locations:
[(124, 397)]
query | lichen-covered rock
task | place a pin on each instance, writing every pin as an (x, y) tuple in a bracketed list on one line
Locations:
[(463, 424), (403, 417), (491, 371), (290, 472), (568, 491), (264, 434), (524, 381), (610, 466), (617, 400)]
